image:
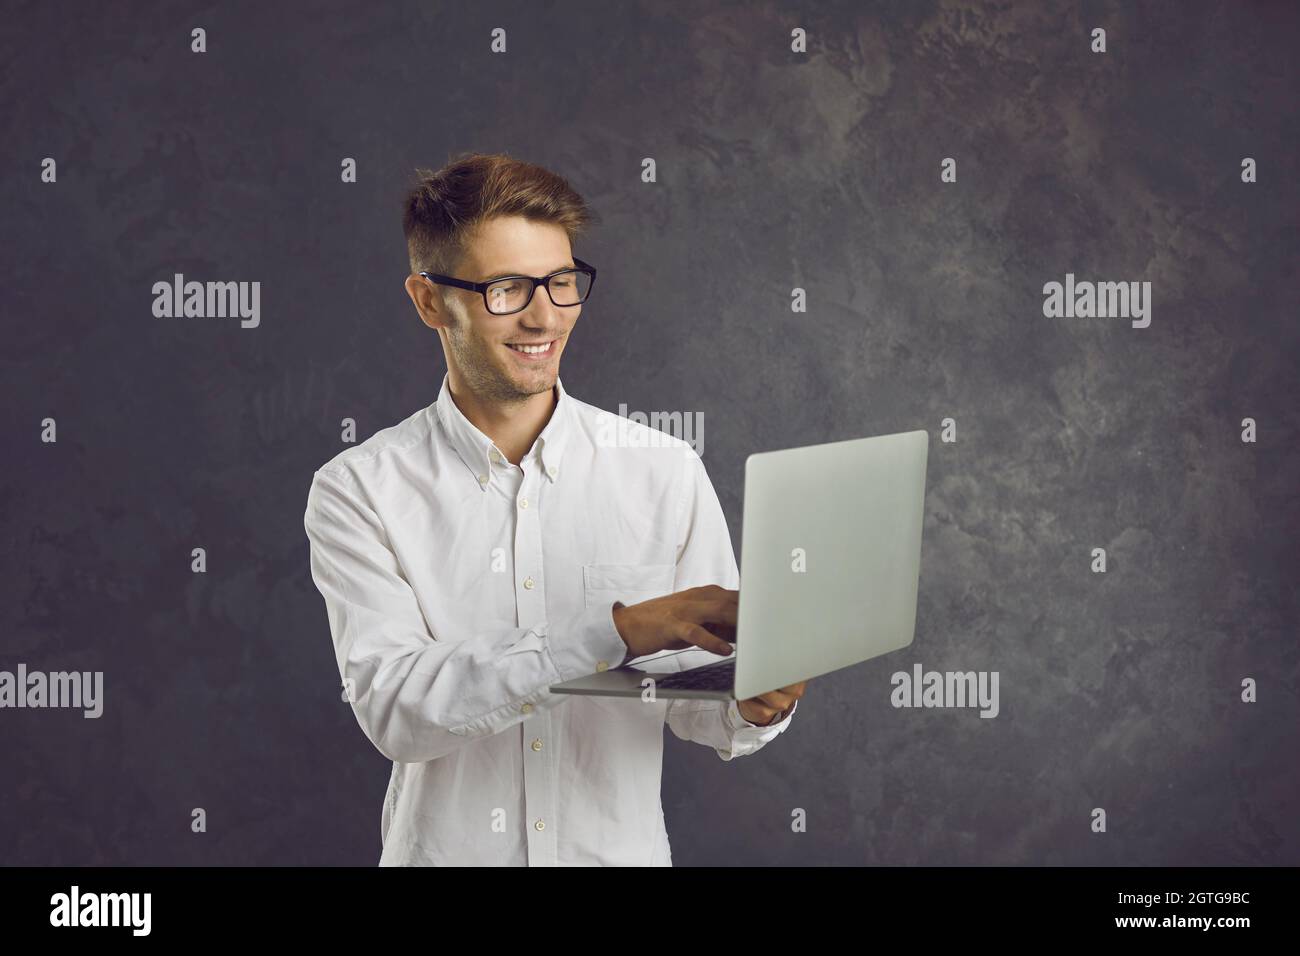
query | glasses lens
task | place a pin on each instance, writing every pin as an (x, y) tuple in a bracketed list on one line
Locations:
[(507, 295), (570, 288)]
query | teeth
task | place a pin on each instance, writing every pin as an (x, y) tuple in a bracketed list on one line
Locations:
[(531, 349)]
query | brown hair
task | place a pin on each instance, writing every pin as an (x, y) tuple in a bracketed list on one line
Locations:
[(443, 208)]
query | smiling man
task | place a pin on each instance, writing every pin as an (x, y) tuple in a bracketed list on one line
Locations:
[(490, 546)]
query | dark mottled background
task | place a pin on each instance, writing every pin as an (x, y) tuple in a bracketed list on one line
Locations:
[(775, 170)]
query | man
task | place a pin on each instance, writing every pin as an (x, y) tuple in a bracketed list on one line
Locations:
[(500, 541)]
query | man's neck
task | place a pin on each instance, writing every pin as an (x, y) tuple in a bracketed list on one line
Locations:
[(513, 427)]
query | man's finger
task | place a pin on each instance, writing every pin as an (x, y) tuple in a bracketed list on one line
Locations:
[(766, 711), (724, 631), (694, 634), (779, 700)]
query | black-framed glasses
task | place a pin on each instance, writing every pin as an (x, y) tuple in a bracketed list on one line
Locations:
[(509, 294)]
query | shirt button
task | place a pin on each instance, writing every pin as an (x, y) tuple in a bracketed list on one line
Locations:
[(527, 708), (539, 825), (523, 502), (528, 583), (537, 744), (602, 665), (552, 471), (495, 456), (482, 479)]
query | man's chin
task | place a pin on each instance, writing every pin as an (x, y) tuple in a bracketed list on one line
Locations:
[(534, 381)]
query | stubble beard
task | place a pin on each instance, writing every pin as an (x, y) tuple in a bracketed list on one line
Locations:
[(485, 377)]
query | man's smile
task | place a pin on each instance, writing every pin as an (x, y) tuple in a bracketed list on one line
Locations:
[(533, 351)]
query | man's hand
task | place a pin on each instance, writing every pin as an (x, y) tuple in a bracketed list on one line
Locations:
[(703, 617), (772, 707), (699, 617)]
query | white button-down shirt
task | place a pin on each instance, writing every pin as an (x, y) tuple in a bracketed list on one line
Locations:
[(459, 587)]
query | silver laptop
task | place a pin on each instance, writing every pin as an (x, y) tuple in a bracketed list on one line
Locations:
[(829, 566)]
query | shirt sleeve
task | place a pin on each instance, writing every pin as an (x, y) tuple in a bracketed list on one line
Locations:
[(417, 697), (705, 556)]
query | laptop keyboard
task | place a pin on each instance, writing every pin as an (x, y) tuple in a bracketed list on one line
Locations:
[(719, 676)]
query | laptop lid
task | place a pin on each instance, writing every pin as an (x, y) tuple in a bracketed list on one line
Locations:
[(830, 557)]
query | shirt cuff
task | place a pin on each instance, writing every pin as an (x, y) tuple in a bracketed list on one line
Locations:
[(591, 644)]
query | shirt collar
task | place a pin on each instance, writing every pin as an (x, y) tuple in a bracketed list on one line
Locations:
[(476, 449)]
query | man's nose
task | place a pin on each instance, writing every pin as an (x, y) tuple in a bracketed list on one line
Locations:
[(544, 314)]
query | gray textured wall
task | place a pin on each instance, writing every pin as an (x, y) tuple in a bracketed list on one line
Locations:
[(775, 170)]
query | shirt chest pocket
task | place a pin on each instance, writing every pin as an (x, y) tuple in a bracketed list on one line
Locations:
[(629, 583)]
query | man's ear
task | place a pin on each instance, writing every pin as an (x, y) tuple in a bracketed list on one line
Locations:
[(428, 303)]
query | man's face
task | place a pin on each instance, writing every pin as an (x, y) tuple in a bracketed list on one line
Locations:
[(479, 344)]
